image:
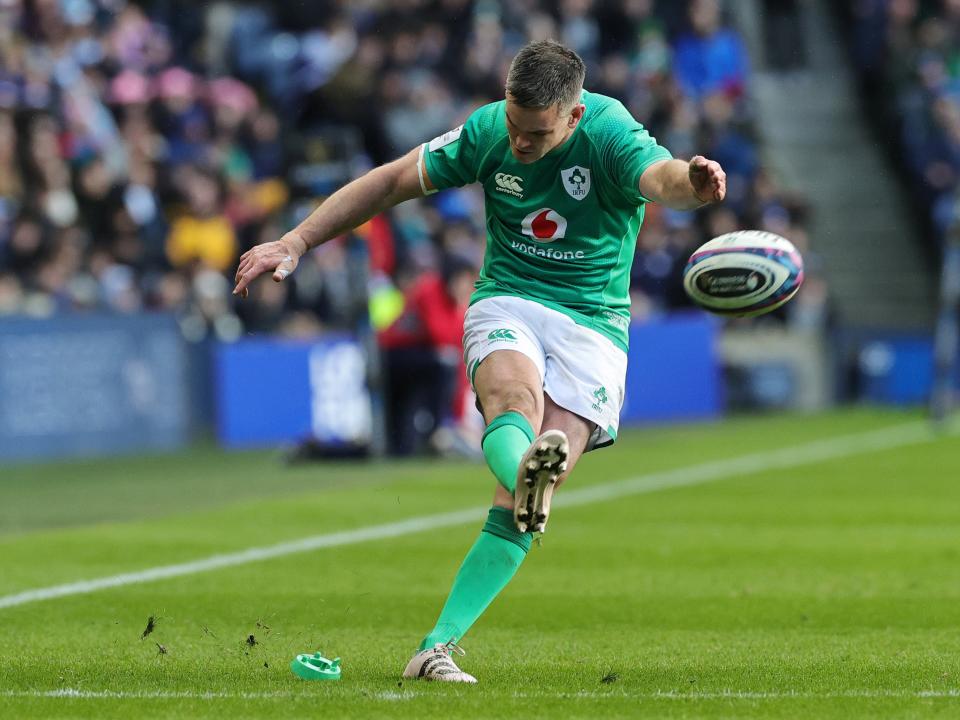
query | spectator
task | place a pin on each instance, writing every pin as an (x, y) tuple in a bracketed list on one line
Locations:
[(201, 233), (906, 52), (423, 357), (710, 58)]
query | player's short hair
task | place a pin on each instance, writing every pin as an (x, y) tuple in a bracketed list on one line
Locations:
[(544, 74)]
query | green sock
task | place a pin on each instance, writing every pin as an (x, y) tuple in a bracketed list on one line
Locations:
[(504, 442), (486, 570)]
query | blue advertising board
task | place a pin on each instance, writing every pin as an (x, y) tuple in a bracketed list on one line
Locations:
[(673, 373), (900, 370), (271, 391), (91, 385)]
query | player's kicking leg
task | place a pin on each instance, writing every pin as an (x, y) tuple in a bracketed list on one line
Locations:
[(541, 467), (546, 464), (509, 387), (502, 545)]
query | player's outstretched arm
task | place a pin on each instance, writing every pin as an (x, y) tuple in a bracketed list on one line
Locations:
[(348, 207), (684, 185)]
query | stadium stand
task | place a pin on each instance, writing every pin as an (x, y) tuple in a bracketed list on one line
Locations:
[(144, 147), (908, 56)]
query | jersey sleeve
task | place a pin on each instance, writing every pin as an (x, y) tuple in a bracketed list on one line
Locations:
[(454, 158), (627, 150)]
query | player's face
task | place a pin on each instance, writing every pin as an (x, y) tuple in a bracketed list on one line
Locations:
[(535, 132)]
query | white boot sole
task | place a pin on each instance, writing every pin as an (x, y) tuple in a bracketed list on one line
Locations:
[(542, 465)]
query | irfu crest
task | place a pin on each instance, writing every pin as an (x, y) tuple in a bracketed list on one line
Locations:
[(576, 181)]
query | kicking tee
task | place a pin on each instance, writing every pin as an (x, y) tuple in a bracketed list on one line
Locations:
[(562, 230)]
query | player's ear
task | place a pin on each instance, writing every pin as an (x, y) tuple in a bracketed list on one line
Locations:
[(575, 115)]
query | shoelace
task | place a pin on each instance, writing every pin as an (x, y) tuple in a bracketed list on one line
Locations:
[(451, 647)]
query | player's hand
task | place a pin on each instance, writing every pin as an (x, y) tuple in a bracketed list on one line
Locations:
[(708, 179), (280, 256)]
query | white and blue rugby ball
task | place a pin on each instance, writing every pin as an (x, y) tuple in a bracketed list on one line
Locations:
[(744, 273)]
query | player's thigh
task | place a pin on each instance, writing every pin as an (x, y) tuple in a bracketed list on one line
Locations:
[(504, 357), (506, 381)]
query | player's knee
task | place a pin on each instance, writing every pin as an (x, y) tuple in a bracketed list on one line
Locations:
[(514, 398)]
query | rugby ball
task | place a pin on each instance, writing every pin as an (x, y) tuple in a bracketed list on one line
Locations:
[(744, 273)]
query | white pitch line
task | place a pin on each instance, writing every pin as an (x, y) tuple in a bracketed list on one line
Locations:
[(215, 562), (71, 693), (393, 695), (795, 456)]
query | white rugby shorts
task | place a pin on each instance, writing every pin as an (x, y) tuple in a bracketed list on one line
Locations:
[(581, 370)]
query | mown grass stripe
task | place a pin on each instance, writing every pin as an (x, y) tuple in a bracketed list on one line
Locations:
[(764, 461), (71, 693)]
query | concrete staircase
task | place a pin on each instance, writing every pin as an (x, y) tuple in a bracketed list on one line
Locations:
[(817, 141)]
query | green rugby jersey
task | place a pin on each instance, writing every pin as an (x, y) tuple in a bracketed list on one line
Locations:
[(562, 230)]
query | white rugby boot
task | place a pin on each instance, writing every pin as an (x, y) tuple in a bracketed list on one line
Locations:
[(542, 464), (436, 664)]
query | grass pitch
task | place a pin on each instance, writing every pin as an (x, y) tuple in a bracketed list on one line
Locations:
[(820, 588)]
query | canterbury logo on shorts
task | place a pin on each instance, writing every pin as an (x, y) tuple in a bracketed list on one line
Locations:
[(502, 334), (510, 184)]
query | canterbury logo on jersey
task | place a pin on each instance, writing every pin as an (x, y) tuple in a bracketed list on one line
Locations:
[(502, 334), (510, 184)]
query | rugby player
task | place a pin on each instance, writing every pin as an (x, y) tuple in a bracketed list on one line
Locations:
[(566, 174)]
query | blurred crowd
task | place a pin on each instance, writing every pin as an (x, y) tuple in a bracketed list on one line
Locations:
[(144, 147), (908, 52)]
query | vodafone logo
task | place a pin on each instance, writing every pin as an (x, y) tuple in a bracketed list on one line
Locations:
[(544, 225)]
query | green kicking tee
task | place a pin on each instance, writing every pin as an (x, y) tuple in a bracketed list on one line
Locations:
[(562, 230)]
